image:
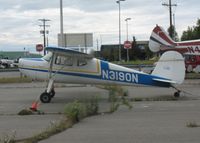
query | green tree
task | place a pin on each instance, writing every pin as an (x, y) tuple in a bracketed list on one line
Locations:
[(174, 33), (192, 33), (197, 30), (148, 53), (135, 52)]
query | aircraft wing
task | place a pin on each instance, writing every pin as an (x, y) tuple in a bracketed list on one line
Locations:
[(68, 52)]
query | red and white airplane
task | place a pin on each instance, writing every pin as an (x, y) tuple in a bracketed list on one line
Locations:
[(160, 41)]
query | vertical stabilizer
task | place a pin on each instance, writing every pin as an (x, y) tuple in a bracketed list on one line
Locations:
[(171, 66)]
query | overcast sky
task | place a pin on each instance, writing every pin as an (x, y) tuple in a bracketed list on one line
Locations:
[(19, 19)]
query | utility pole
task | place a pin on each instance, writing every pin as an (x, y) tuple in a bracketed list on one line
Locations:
[(170, 16), (44, 32)]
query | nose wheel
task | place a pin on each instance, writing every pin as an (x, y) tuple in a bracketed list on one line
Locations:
[(45, 97)]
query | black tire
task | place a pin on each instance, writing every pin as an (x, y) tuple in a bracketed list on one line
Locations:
[(52, 93), (45, 98), (177, 94)]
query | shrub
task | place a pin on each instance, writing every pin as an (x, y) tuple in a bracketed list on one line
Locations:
[(75, 111), (8, 138), (117, 97), (92, 107), (192, 124), (79, 110)]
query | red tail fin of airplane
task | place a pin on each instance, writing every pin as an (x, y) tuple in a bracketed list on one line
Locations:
[(160, 40)]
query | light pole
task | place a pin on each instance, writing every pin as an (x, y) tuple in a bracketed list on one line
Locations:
[(118, 2), (61, 23), (127, 19)]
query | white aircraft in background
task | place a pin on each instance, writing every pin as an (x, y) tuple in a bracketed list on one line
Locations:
[(160, 41), (5, 63), (69, 66)]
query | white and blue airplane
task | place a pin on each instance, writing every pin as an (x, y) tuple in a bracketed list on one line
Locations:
[(69, 66)]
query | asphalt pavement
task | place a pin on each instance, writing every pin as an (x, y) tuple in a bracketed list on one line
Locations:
[(148, 121)]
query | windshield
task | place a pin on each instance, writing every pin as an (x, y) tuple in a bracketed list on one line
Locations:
[(48, 56)]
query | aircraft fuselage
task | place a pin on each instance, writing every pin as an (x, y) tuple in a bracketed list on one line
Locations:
[(94, 72)]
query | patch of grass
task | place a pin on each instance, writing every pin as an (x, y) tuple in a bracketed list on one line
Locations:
[(30, 112), (79, 110), (92, 106), (15, 80), (74, 112), (8, 138), (25, 112), (192, 124), (192, 76), (53, 129), (117, 97)]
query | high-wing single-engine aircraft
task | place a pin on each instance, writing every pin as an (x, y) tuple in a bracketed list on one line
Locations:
[(160, 41), (70, 66)]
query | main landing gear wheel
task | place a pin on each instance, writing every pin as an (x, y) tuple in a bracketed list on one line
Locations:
[(45, 97), (177, 94)]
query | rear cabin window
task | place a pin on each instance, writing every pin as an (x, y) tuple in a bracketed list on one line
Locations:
[(81, 62), (64, 60)]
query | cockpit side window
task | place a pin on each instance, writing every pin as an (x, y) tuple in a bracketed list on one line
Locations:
[(48, 56)]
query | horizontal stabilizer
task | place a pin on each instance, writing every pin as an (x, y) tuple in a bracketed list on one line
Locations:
[(163, 80)]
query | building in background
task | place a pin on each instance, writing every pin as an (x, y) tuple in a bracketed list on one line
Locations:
[(139, 51), (142, 44), (79, 41)]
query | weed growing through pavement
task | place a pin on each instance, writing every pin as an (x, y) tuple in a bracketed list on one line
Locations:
[(8, 138), (74, 112), (192, 124), (117, 97)]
